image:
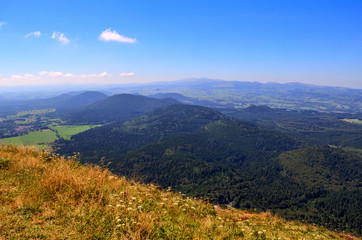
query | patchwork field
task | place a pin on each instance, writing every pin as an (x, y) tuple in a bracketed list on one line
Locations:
[(44, 138)]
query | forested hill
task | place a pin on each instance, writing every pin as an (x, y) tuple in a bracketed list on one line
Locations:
[(121, 137), (119, 107), (203, 153), (80, 101)]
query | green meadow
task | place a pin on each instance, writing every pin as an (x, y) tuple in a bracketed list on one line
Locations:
[(38, 138), (67, 131)]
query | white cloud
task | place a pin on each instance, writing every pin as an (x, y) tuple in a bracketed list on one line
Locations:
[(26, 75), (60, 37), (51, 74), (109, 35), (42, 73), (60, 74), (126, 74), (53, 77), (16, 77), (2, 23), (103, 74), (35, 34)]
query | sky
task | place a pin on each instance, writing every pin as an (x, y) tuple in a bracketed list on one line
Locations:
[(85, 42)]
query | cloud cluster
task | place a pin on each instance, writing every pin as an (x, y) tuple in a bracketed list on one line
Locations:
[(55, 74), (35, 34), (53, 77), (26, 75), (60, 37), (109, 35), (103, 74)]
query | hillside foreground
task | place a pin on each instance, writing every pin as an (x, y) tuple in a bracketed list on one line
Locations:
[(48, 197)]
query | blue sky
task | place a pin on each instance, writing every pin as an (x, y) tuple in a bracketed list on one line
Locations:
[(50, 42)]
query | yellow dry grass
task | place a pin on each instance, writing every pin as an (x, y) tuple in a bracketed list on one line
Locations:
[(47, 197)]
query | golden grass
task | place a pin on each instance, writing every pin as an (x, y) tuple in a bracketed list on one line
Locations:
[(47, 197)]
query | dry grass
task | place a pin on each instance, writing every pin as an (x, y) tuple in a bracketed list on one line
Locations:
[(47, 197)]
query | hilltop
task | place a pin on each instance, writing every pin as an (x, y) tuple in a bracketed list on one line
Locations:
[(47, 197), (119, 107)]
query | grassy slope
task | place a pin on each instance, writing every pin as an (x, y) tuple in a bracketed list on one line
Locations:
[(44, 197)]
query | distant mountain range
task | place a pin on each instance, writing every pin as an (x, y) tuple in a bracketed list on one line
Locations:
[(187, 100), (233, 94)]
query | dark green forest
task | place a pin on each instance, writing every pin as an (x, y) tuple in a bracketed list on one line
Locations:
[(204, 153)]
